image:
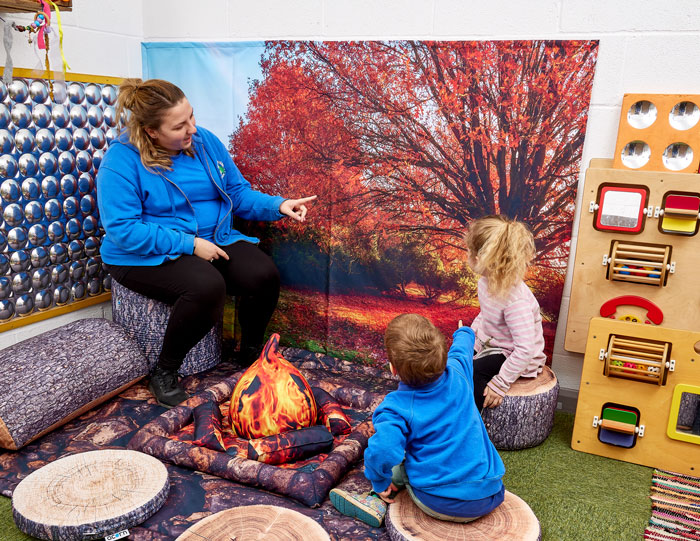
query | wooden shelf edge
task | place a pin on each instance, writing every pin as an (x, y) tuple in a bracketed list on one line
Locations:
[(31, 6), (21, 321), (27, 73)]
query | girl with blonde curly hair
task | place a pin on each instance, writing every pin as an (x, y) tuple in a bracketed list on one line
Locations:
[(509, 338)]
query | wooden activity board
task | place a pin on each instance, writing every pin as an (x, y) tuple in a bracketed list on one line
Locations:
[(640, 391), (638, 250)]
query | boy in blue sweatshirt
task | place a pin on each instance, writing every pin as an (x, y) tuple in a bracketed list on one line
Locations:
[(429, 437)]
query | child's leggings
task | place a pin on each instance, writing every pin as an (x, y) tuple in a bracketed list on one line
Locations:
[(400, 479), (484, 369)]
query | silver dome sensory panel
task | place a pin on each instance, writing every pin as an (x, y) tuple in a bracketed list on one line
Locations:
[(50, 231)]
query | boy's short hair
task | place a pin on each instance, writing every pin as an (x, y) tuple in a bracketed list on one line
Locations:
[(416, 349)]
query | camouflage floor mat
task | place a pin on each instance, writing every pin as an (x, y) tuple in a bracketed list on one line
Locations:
[(195, 495)]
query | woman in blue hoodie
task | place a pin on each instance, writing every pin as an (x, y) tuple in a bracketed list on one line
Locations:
[(167, 194)]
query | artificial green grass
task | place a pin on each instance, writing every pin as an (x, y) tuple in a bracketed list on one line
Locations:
[(8, 530), (576, 496)]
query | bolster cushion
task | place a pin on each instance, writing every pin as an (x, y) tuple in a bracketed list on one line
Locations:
[(49, 379)]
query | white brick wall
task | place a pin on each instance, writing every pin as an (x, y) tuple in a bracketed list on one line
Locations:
[(645, 46), (100, 37)]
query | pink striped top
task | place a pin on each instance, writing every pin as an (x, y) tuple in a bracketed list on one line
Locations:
[(513, 324)]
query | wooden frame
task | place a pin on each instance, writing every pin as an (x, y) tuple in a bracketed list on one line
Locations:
[(27, 73), (31, 6)]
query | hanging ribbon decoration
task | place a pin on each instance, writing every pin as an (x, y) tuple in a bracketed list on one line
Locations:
[(66, 67), (41, 26), (7, 42), (42, 20)]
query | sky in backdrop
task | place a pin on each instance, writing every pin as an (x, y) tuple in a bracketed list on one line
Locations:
[(214, 76)]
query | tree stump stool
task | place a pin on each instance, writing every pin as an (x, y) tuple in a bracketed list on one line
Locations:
[(688, 409), (513, 520), (90, 495), (526, 416), (261, 522), (146, 319)]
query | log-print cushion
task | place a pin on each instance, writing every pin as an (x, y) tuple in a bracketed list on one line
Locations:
[(291, 446), (330, 413), (146, 319), (49, 379)]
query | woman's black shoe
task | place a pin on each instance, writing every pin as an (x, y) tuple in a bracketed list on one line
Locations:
[(246, 356), (166, 388)]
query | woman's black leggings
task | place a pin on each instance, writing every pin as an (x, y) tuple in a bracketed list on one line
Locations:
[(197, 290), (484, 369)]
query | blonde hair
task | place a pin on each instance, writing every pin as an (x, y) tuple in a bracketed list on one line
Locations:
[(416, 349), (147, 102), (501, 249)]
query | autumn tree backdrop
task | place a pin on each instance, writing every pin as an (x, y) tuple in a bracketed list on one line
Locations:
[(406, 142)]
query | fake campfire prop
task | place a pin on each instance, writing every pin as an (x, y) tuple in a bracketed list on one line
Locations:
[(266, 428), (271, 397), (273, 414)]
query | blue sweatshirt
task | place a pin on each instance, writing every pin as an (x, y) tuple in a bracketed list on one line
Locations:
[(148, 219), (439, 431)]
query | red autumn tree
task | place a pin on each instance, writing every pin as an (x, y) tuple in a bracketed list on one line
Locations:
[(422, 137)]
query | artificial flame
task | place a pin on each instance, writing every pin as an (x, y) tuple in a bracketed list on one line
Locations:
[(271, 397)]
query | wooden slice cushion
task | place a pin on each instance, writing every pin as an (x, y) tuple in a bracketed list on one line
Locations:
[(261, 522), (51, 378), (543, 383), (513, 520), (90, 495)]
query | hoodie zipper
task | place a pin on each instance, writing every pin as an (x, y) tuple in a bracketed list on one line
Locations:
[(221, 190), (186, 199)]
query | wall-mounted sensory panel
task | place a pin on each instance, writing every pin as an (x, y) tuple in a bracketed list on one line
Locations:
[(53, 136), (659, 132), (636, 254)]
